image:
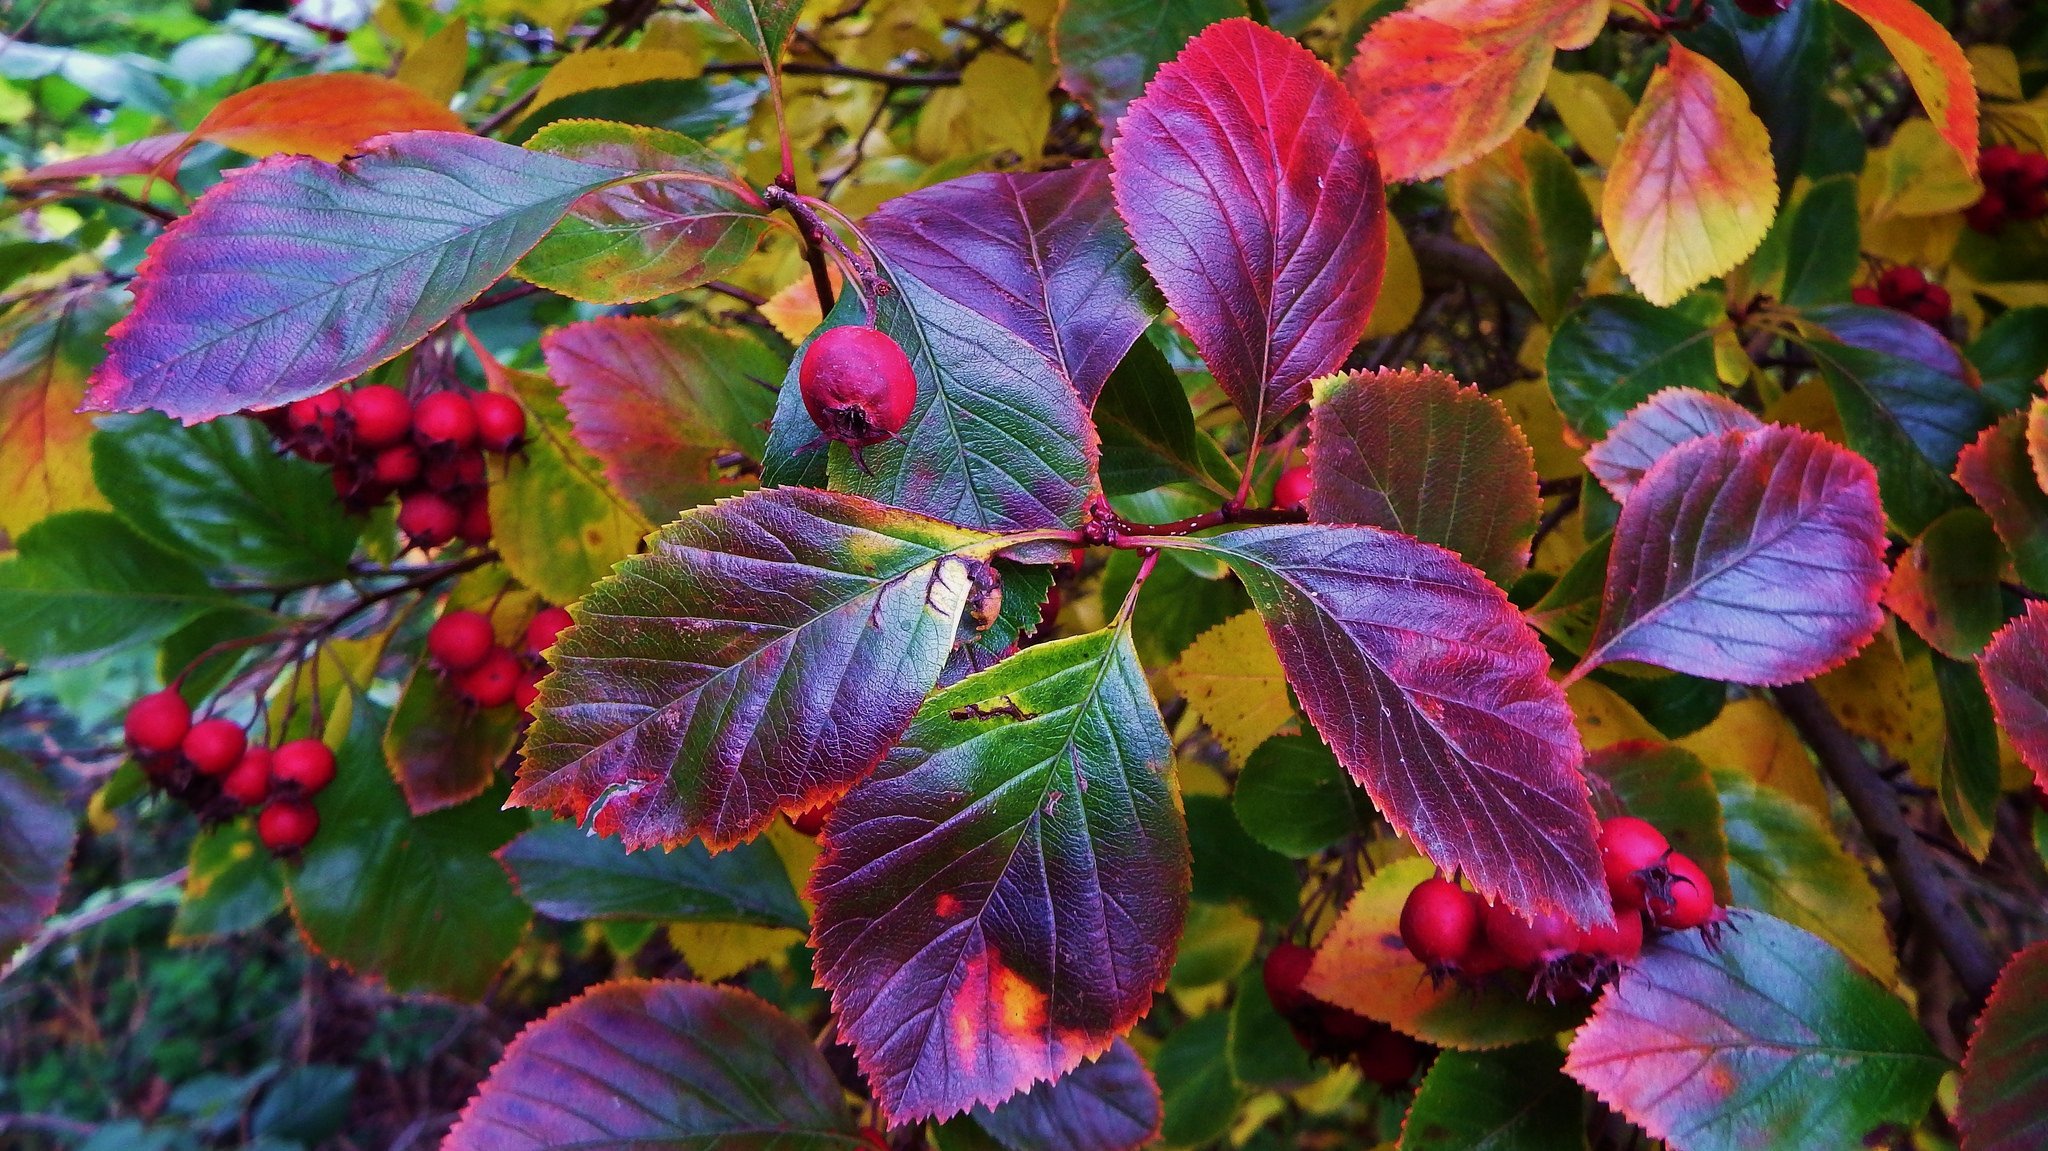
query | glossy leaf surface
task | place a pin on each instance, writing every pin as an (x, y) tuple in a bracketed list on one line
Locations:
[(440, 748), (1293, 797), (568, 873), (2004, 1100), (1109, 1104), (1667, 419), (2015, 671), (1613, 352), (1945, 586), (766, 25), (1109, 49), (1517, 1097), (82, 584), (1933, 63)]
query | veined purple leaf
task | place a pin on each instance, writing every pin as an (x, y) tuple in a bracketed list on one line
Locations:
[(1108, 1104), (2004, 1101), (2015, 671), (1435, 696), (632, 1065), (1002, 897), (1259, 209), (294, 275), (151, 155), (1042, 254), (1418, 452), (36, 834), (1753, 557), (760, 657), (1667, 419)]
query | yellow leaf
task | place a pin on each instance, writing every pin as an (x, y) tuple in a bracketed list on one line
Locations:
[(1753, 737), (794, 310), (1934, 64), (436, 67), (718, 951), (595, 68), (1401, 291), (1605, 718), (1693, 189), (1534, 410), (675, 32), (1878, 697), (1231, 678), (1000, 108), (1996, 71), (1594, 110), (1915, 175), (45, 466)]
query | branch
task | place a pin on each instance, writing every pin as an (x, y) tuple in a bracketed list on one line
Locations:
[(1445, 261), (131, 895), (1921, 887), (799, 68)]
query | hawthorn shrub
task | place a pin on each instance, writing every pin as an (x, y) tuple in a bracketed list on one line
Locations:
[(1070, 575)]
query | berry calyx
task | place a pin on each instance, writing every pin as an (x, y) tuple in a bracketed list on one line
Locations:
[(377, 416), (1438, 923), (1632, 855), (545, 626), (428, 519), (492, 681), (1292, 488), (1692, 898), (156, 724), (214, 746), (857, 385), (249, 782), (304, 764), (444, 420), (500, 421), (460, 640), (1286, 969), (286, 825)]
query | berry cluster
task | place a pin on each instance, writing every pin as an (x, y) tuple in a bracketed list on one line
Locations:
[(430, 454), (1906, 289), (2015, 188), (465, 647), (211, 766), (1328, 1031)]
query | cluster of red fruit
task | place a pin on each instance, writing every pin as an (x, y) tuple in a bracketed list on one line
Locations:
[(430, 454), (1338, 1034), (465, 647), (2015, 188), (1458, 935), (210, 765), (1906, 289)]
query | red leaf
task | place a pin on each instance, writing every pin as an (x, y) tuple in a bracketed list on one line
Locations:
[(2004, 1100), (1672, 417), (151, 155), (2015, 670), (1751, 557), (1997, 473), (1258, 208), (325, 116)]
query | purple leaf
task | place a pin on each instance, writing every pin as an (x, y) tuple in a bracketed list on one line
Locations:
[(2015, 671), (1752, 557), (1042, 254), (1435, 696), (1258, 208), (150, 156), (1002, 897), (1110, 1104), (1667, 419), (36, 834), (2004, 1100), (760, 657), (293, 275)]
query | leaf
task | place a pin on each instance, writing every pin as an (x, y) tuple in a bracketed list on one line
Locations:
[(634, 1065), (634, 241), (765, 25), (1781, 62), (442, 749), (1524, 202), (222, 494), (596, 69), (1200, 1098), (232, 885), (2037, 439), (1946, 586), (568, 873), (1434, 695), (44, 466), (1613, 352), (2015, 671), (1669, 786), (1997, 474), (1823, 244), (2005, 1083), (1415, 451), (154, 156), (1231, 868), (1694, 1043), (1108, 1104), (1026, 588), (1667, 419), (1363, 966), (1969, 782), (83, 584), (1258, 210), (436, 65), (1593, 110), (1233, 683), (1443, 82), (1292, 797), (1934, 65), (659, 402), (1516, 1097), (1148, 430), (1041, 254), (1216, 945), (1753, 737), (2009, 354), (760, 657), (37, 833), (1263, 1049), (1692, 190), (326, 116), (294, 275), (1109, 49), (1001, 898), (1177, 607), (1751, 557)]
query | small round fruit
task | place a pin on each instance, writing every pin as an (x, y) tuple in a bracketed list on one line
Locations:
[(249, 783), (1692, 898), (1438, 923), (492, 681), (378, 416), (1934, 305), (305, 764), (428, 519), (545, 626), (1387, 1057), (460, 640), (1628, 847), (500, 421), (214, 746), (527, 689), (857, 385), (444, 420), (457, 473), (1902, 283), (286, 825), (1291, 489), (1286, 968), (1527, 943), (1621, 942), (395, 466), (314, 416), (1867, 296), (157, 722), (1987, 215), (476, 521)]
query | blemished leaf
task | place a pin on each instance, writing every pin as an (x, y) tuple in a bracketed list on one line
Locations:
[(1945, 586), (1416, 451), (668, 1064), (1753, 557), (232, 885), (440, 748), (1363, 966), (1669, 786), (348, 266), (1109, 49), (1001, 897), (1042, 254), (1934, 64), (635, 241), (1108, 1104), (1025, 589), (1692, 190), (2037, 439), (766, 25), (2015, 671), (2004, 1101), (44, 465), (1433, 693), (1996, 472), (36, 835), (568, 873), (83, 584), (1524, 202), (1443, 82), (1233, 682), (1293, 797), (1258, 209), (1969, 778), (760, 657), (1693, 1042), (1516, 1097), (660, 401), (326, 116), (1667, 419), (1612, 352)]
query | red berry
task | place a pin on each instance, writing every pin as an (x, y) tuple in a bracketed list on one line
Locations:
[(857, 385), (249, 783), (1286, 968), (1526, 943), (395, 466), (500, 421), (157, 722), (460, 640), (314, 415), (1901, 284), (1692, 898), (2031, 168), (378, 416), (1997, 162), (1438, 923), (476, 521), (527, 689), (1621, 942), (1629, 847), (1291, 489), (1866, 296), (2030, 204), (445, 419), (491, 682), (1987, 215), (429, 519), (811, 821), (214, 746), (1933, 305), (287, 825), (453, 475), (1388, 1057), (546, 625), (303, 763)]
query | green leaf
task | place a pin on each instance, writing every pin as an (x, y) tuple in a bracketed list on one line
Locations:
[(232, 885), (1823, 244), (568, 873), (1263, 1049), (1109, 49), (1193, 1067), (1524, 202), (2000, 477), (1516, 1097), (699, 109), (1946, 586), (84, 584), (1294, 797), (765, 25), (2010, 354), (1214, 946), (442, 749), (1669, 786), (1231, 866), (1969, 759), (36, 836), (1148, 430), (1612, 352)]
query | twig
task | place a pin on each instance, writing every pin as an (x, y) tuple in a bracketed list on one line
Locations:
[(841, 71), (135, 896), (1444, 261)]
